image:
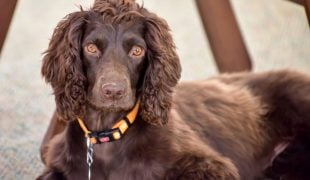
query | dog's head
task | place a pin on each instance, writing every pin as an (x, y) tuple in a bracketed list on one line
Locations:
[(109, 56)]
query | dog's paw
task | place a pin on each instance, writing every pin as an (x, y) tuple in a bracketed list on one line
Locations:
[(192, 167)]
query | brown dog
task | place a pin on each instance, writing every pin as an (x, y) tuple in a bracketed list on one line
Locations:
[(115, 68)]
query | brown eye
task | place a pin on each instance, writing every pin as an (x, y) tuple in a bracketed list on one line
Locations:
[(136, 51), (92, 49)]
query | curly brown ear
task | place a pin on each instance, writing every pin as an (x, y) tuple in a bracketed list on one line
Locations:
[(62, 66), (162, 73)]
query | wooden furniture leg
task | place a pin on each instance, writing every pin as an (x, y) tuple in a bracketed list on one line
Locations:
[(7, 8), (225, 38)]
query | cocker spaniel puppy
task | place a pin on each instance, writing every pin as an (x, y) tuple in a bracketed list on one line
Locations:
[(121, 115)]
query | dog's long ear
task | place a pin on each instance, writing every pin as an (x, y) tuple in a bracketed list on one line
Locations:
[(162, 73), (62, 66)]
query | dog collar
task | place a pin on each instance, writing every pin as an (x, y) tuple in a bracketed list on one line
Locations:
[(117, 131)]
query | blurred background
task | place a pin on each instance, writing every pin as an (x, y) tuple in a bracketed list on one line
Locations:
[(275, 32)]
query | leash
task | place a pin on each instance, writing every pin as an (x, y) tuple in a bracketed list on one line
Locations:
[(89, 154), (109, 135)]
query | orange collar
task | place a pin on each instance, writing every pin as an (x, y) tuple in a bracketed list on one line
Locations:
[(117, 130)]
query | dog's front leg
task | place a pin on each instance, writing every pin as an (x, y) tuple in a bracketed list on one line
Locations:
[(202, 168)]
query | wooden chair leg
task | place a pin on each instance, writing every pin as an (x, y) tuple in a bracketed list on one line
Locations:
[(7, 8), (225, 38)]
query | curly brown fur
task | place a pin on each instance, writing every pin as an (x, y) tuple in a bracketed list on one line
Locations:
[(222, 128), (62, 66)]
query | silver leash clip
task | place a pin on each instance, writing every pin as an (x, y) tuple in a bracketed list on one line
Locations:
[(90, 153)]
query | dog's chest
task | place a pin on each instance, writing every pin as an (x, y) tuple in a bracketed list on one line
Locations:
[(105, 153), (112, 163)]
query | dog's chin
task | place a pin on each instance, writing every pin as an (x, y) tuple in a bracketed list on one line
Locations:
[(111, 106)]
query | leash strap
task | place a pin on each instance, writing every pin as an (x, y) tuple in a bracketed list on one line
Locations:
[(89, 155)]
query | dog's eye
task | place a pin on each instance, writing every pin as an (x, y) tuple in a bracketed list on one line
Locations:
[(136, 51), (92, 49)]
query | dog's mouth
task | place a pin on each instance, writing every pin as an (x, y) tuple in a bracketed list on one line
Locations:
[(111, 105)]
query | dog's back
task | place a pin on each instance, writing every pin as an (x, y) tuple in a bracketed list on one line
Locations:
[(245, 116)]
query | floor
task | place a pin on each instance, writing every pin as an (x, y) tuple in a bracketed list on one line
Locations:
[(276, 33)]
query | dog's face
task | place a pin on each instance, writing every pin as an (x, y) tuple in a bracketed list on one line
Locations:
[(109, 56), (113, 59)]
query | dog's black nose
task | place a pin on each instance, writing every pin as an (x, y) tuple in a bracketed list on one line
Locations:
[(113, 91)]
